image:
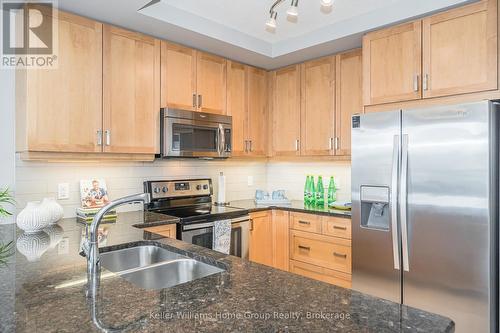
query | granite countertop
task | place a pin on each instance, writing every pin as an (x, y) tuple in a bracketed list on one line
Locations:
[(296, 206), (49, 293)]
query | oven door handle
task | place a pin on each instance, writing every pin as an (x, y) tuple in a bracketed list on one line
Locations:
[(195, 226)]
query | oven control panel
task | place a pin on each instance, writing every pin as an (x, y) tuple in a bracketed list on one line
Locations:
[(166, 189)]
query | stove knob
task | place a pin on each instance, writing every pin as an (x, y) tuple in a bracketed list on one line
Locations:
[(205, 187), (156, 190), (198, 187), (164, 189)]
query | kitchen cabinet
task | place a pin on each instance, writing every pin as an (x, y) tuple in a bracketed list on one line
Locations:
[(280, 232), (60, 110), (257, 112), (178, 76), (286, 111), (392, 60), (322, 274), (131, 91), (261, 238), (192, 80), (318, 107), (169, 231), (247, 104), (348, 98), (460, 50), (237, 106), (446, 54), (211, 83)]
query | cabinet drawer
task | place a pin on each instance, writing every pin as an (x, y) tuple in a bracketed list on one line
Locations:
[(337, 227), (305, 222), (322, 274), (168, 231), (325, 251)]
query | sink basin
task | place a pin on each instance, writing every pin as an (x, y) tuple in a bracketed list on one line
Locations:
[(153, 267)]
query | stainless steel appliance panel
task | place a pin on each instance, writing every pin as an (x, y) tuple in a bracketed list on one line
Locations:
[(446, 216), (375, 166)]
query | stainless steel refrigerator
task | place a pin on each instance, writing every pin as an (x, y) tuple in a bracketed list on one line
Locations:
[(425, 210)]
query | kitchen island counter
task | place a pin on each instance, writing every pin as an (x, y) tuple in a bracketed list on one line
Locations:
[(48, 293)]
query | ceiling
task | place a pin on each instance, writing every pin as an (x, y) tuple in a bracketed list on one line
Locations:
[(236, 28)]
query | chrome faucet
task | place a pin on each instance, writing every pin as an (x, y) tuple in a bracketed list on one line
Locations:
[(90, 247)]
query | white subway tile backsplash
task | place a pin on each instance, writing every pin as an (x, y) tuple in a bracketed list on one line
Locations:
[(36, 180)]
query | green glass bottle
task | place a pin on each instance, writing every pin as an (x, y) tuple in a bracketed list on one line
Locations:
[(312, 191), (332, 191), (320, 193), (306, 190)]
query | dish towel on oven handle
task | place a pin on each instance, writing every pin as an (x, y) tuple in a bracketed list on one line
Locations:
[(222, 236)]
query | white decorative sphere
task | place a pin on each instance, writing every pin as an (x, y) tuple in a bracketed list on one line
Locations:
[(33, 218), (55, 210)]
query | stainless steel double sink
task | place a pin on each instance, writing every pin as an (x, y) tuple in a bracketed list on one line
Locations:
[(153, 267)]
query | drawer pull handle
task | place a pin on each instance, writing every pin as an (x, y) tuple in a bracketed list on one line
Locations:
[(307, 248), (340, 228), (304, 222), (340, 255)]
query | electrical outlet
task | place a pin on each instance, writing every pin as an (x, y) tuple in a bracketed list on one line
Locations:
[(250, 180), (62, 191)]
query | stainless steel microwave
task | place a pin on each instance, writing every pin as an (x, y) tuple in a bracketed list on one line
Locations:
[(194, 134)]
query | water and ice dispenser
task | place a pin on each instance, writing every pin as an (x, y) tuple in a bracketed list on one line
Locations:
[(375, 212)]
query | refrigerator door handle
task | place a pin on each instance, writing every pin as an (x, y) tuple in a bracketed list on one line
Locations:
[(394, 205), (403, 202)]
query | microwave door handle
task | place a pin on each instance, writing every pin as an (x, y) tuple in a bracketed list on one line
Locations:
[(223, 141), (220, 140)]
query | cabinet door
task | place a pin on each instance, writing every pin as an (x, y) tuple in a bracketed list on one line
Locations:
[(257, 111), (286, 111), (392, 64), (318, 108), (281, 243), (211, 83), (131, 91), (349, 100), (460, 50), (237, 106), (60, 109), (178, 77), (261, 238)]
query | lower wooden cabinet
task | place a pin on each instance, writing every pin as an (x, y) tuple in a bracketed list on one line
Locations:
[(280, 231), (261, 240), (169, 231), (321, 274)]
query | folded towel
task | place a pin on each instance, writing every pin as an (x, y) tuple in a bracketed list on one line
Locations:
[(222, 236)]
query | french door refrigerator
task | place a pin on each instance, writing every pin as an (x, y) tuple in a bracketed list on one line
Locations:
[(425, 210)]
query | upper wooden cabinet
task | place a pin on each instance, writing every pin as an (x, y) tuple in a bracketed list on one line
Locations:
[(460, 50), (178, 77), (192, 80), (257, 111), (211, 83), (446, 54), (131, 99), (237, 106), (60, 110), (286, 111), (318, 107), (348, 98), (247, 104), (392, 64)]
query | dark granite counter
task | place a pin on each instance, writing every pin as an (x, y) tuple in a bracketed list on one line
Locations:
[(48, 294), (296, 206)]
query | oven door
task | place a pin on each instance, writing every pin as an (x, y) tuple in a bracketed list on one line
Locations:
[(202, 234), (195, 138)]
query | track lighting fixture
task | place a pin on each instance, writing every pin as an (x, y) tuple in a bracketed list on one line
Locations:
[(292, 12)]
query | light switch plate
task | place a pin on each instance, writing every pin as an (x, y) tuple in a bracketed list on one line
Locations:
[(62, 191), (250, 180)]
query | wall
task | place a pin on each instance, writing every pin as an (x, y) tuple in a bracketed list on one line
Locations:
[(36, 180), (7, 131), (291, 176)]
